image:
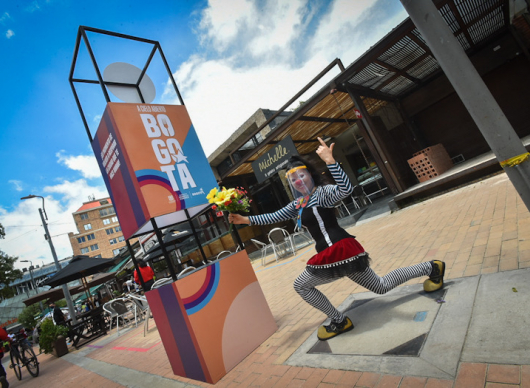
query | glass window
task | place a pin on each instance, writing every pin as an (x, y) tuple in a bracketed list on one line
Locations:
[(94, 247), (106, 221), (116, 251), (81, 239), (118, 228), (87, 226), (97, 257), (121, 238), (84, 216), (91, 236), (109, 231), (84, 250), (107, 211), (113, 241), (114, 219)]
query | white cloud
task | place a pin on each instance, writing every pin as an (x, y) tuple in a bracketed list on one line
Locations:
[(85, 164), (9, 34), (5, 17), (24, 230), (259, 54), (33, 6), (17, 184)]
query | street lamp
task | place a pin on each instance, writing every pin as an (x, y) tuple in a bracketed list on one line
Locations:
[(30, 273), (48, 237)]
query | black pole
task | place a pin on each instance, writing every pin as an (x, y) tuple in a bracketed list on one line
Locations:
[(160, 238), (131, 252), (195, 235)]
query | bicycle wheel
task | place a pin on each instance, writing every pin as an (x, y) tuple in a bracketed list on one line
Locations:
[(15, 363), (32, 364)]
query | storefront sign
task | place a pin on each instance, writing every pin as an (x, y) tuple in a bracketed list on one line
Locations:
[(152, 162), (274, 160)]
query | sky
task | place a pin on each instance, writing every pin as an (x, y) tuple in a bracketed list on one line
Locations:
[(228, 57)]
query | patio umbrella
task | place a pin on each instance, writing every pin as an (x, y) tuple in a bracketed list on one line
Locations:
[(171, 241), (79, 267), (51, 295)]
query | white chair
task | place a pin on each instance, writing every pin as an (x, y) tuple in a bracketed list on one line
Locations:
[(339, 205), (185, 271), (161, 282), (360, 195), (144, 309), (120, 309), (281, 242), (223, 253), (302, 232), (262, 247)]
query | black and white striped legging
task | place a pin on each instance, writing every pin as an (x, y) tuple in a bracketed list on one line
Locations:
[(305, 285)]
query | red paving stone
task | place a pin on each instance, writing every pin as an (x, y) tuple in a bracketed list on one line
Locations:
[(477, 229)]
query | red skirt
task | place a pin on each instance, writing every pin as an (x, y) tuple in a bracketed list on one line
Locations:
[(342, 252)]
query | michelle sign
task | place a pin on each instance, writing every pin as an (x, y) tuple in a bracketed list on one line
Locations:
[(274, 160), (152, 162)]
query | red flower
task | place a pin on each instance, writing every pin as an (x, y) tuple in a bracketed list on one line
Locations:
[(214, 207)]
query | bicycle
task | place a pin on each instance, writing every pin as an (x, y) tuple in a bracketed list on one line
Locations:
[(22, 354)]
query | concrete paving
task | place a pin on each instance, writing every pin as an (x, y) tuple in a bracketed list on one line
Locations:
[(478, 337)]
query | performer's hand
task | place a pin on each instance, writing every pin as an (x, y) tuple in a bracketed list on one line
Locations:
[(326, 153), (238, 219)]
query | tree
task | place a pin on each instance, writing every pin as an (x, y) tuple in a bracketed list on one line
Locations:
[(27, 316), (8, 274), (2, 232)]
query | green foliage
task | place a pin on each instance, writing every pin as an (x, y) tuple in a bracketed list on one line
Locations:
[(2, 231), (61, 303), (49, 333), (27, 316), (8, 274)]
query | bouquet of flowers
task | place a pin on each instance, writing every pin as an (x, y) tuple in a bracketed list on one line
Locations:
[(230, 200)]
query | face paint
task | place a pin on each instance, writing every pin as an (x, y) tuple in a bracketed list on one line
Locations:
[(300, 181)]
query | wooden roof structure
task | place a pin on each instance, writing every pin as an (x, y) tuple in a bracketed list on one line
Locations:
[(396, 66)]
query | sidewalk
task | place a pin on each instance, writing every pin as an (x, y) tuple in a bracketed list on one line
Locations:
[(481, 232)]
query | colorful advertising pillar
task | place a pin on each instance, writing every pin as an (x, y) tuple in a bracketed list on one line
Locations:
[(152, 163)]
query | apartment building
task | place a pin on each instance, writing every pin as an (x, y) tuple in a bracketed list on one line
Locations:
[(99, 232)]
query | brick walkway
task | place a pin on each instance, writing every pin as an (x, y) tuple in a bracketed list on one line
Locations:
[(479, 229)]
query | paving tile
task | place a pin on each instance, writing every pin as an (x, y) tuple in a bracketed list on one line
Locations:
[(389, 381), (525, 376), (437, 383), (368, 379), (471, 375), (508, 374), (413, 382)]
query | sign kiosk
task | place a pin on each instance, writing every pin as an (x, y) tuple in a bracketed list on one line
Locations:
[(157, 176)]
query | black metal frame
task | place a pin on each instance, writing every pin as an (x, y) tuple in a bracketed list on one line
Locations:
[(82, 34)]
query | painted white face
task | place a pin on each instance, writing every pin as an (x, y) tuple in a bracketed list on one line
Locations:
[(300, 181)]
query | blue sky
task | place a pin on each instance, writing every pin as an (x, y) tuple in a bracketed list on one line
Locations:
[(229, 58)]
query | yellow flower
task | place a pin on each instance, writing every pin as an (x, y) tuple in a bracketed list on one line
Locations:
[(221, 197), (211, 196)]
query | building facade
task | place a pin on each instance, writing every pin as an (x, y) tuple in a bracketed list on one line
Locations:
[(99, 232)]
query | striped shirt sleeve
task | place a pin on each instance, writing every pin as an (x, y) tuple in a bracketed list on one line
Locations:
[(284, 214), (331, 194)]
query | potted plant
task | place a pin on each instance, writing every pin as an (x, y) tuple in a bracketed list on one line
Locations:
[(53, 338)]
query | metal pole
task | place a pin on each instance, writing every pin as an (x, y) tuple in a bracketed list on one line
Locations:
[(67, 296), (470, 87)]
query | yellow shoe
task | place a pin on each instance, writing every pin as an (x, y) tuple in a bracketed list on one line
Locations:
[(436, 278), (334, 329)]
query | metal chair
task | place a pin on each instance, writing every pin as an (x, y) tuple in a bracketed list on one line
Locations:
[(161, 282), (359, 195), (281, 241), (143, 307), (185, 271), (117, 308), (262, 247), (302, 232), (223, 253)]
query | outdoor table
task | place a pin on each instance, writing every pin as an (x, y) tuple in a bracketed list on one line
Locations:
[(211, 319), (89, 326)]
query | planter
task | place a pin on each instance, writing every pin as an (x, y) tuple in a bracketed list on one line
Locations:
[(59, 347)]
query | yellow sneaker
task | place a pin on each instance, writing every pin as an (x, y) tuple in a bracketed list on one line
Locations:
[(334, 329), (436, 278)]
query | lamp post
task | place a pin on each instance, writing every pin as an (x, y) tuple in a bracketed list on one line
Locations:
[(48, 237), (30, 273)]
